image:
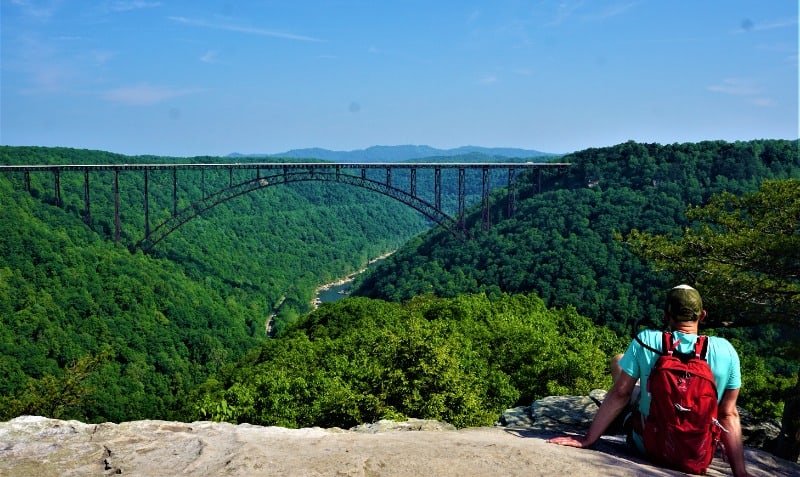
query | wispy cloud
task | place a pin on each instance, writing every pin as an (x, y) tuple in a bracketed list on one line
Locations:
[(565, 11), (209, 57), (614, 10), (762, 102), (745, 88), (735, 87), (243, 29), (48, 78), (145, 95), (128, 5), (40, 9), (473, 17), (102, 56)]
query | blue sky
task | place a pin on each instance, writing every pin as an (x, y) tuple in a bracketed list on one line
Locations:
[(186, 78)]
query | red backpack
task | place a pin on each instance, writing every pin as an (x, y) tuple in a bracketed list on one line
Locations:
[(681, 431)]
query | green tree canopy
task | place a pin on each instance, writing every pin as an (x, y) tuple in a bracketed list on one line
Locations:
[(744, 253)]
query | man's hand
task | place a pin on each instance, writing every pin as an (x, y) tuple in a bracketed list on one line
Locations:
[(615, 402), (571, 441)]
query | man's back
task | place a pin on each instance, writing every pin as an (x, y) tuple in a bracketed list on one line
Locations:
[(638, 361)]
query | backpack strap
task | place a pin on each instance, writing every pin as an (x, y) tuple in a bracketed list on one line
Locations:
[(666, 344), (701, 347), (669, 345)]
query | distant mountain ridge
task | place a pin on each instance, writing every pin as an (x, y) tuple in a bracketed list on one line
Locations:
[(399, 153)]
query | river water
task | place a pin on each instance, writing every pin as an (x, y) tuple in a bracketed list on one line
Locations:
[(334, 293)]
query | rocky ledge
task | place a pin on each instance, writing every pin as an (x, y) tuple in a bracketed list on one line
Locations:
[(516, 446)]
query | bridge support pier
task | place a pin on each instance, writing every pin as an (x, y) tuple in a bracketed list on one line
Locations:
[(485, 202), (116, 206), (87, 218), (57, 186), (146, 205)]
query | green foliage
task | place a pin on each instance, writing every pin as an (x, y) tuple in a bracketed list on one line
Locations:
[(56, 397), (763, 390), (173, 317), (744, 253), (461, 360)]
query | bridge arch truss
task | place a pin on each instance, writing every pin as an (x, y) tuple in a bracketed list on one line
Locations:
[(271, 174)]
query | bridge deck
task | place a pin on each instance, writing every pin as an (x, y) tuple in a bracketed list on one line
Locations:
[(282, 165)]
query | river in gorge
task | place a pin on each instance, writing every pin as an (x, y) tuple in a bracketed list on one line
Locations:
[(334, 293), (339, 289)]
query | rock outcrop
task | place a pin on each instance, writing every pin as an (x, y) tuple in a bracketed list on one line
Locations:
[(40, 447)]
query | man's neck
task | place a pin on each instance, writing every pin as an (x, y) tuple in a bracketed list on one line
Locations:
[(687, 327)]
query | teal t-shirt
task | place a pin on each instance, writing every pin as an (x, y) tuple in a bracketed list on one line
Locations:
[(638, 362)]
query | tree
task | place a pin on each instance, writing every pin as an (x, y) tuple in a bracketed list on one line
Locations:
[(745, 256), (57, 397)]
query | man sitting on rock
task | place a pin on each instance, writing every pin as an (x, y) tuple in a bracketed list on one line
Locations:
[(683, 312)]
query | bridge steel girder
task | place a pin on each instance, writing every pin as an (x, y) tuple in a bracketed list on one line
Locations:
[(287, 173)]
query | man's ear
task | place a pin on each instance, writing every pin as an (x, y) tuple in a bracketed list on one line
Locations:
[(702, 316), (667, 318)]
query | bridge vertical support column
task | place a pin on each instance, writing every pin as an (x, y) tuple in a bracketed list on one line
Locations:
[(413, 181), (175, 191), (87, 218), (485, 202), (461, 199), (116, 205), (539, 180), (57, 186), (146, 205), (203, 182), (388, 177), (437, 187), (27, 181), (512, 193)]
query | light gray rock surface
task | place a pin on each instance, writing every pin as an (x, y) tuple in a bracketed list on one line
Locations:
[(40, 447)]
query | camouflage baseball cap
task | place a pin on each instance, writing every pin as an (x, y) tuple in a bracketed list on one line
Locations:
[(684, 303)]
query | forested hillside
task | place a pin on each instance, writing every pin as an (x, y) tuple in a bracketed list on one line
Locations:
[(564, 245), (561, 243), (201, 299)]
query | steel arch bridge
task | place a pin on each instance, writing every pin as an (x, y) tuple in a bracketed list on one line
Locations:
[(377, 177)]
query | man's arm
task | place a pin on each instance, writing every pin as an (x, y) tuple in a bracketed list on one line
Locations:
[(728, 416), (615, 402)]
